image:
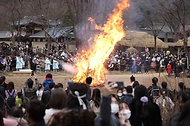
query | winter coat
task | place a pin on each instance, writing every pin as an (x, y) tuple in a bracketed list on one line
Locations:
[(169, 68)]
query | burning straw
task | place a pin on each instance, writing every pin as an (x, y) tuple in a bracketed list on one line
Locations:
[(91, 62)]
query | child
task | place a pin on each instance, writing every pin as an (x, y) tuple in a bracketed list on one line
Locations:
[(19, 99), (39, 92)]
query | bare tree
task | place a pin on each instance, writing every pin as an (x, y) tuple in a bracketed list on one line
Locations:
[(177, 16), (151, 18)]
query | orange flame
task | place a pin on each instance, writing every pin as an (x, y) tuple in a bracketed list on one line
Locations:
[(91, 62)]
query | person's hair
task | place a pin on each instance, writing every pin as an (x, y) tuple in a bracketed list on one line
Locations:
[(30, 83), (15, 112), (49, 75), (3, 77), (140, 91), (154, 80), (89, 80), (145, 112), (129, 89), (72, 98), (51, 85), (136, 83), (1, 118), (132, 78), (185, 116), (185, 95), (40, 86), (19, 94), (72, 118), (36, 110), (96, 97), (60, 85), (58, 99), (181, 86), (10, 86), (164, 84), (1, 81)]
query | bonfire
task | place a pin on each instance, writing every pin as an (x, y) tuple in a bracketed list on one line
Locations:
[(91, 62)]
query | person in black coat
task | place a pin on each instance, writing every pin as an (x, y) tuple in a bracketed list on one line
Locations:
[(2, 95), (143, 111)]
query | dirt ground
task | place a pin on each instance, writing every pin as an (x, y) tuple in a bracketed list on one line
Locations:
[(62, 77)]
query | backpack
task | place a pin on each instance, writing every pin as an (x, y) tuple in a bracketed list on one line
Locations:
[(11, 100), (154, 92)]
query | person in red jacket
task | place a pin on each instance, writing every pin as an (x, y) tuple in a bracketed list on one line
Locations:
[(169, 69)]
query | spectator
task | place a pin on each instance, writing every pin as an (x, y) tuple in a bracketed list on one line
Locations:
[(19, 99), (58, 100), (128, 97), (77, 96), (29, 91), (67, 86), (36, 113), (165, 90), (185, 115), (169, 69), (132, 79), (47, 81), (153, 87), (59, 85), (108, 109), (88, 82), (72, 118), (124, 114), (143, 110), (185, 96), (11, 94), (16, 114), (95, 102), (47, 64), (165, 103), (39, 92), (182, 87), (4, 83), (2, 93), (119, 94), (146, 66), (124, 91), (46, 95)]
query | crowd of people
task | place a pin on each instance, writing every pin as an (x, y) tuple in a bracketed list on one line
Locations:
[(77, 104), (44, 59), (144, 61)]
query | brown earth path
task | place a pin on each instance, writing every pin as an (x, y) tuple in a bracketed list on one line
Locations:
[(62, 77)]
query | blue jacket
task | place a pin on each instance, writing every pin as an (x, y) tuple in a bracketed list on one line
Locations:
[(46, 84)]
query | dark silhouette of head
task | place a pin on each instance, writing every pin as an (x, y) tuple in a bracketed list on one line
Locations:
[(3, 77), (164, 84), (154, 80), (30, 83), (10, 86), (58, 99), (96, 96), (136, 83), (129, 89), (51, 85), (140, 91), (181, 86), (15, 112), (89, 80), (49, 75), (36, 110), (132, 78)]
